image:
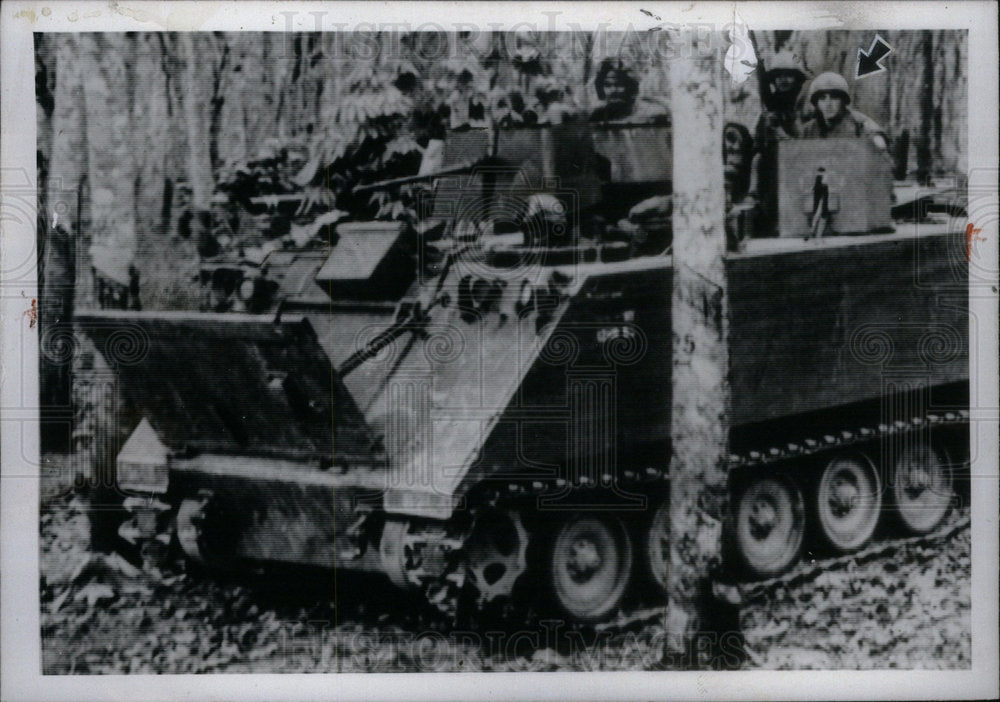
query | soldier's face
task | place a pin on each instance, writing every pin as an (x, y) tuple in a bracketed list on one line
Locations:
[(784, 83), (829, 105), (615, 89)]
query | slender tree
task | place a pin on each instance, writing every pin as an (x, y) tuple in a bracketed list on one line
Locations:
[(700, 398), (925, 135), (111, 163), (196, 96)]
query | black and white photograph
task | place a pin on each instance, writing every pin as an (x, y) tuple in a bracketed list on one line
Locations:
[(588, 339)]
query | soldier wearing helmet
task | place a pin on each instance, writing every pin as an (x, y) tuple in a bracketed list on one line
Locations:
[(619, 89), (833, 117), (781, 119)]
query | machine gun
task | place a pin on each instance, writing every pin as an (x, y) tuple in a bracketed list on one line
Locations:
[(466, 166), (273, 200), (460, 169)]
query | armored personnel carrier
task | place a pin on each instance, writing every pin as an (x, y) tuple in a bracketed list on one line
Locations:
[(486, 404)]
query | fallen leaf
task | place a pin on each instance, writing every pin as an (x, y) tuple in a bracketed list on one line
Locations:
[(185, 637), (264, 651), (57, 603), (94, 593)]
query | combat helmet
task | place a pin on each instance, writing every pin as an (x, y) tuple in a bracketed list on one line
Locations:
[(622, 71), (786, 61), (829, 83)]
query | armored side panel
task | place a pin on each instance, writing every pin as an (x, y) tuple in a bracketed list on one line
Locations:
[(857, 175), (369, 262), (528, 160), (233, 384), (249, 410), (830, 326), (596, 399), (635, 153), (635, 162), (823, 326)]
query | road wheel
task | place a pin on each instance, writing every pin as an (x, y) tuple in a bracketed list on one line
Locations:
[(497, 549), (658, 545), (590, 566), (770, 524), (848, 501), (205, 534), (393, 548), (922, 486)]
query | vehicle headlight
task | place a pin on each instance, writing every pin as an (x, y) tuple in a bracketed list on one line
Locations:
[(142, 464)]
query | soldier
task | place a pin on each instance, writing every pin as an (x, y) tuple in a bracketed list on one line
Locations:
[(619, 90), (781, 119), (830, 98), (832, 118), (116, 279), (225, 220), (646, 208)]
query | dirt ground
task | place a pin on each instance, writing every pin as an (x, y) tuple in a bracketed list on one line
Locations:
[(909, 607)]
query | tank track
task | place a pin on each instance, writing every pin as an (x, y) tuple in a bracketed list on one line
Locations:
[(803, 573), (435, 564), (444, 590)]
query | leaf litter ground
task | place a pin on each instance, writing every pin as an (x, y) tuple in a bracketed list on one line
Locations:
[(100, 614)]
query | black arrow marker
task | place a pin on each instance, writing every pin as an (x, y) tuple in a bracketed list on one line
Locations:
[(868, 63)]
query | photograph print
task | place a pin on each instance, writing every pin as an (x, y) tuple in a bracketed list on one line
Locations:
[(472, 351)]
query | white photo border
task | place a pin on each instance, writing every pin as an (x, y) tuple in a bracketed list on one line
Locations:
[(20, 633)]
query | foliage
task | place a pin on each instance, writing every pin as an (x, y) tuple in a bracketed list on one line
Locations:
[(263, 176), (365, 138), (132, 115)]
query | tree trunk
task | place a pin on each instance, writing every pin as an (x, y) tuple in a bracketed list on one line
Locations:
[(110, 158), (67, 159), (197, 81), (153, 145), (57, 253), (926, 108), (700, 405)]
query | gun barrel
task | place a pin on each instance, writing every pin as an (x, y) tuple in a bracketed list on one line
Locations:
[(391, 182), (271, 200)]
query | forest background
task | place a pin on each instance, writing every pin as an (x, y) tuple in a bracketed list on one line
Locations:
[(123, 118)]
